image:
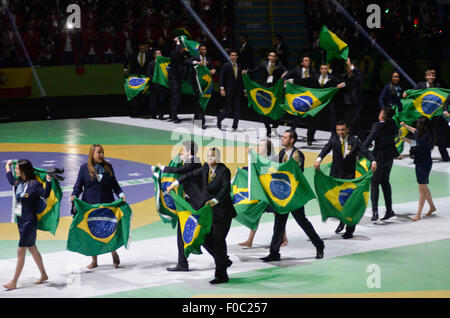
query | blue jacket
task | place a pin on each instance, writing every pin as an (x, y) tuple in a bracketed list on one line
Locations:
[(388, 97), (95, 191), (30, 200)]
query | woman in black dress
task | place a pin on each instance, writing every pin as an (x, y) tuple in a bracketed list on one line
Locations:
[(97, 182), (27, 195), (422, 159)]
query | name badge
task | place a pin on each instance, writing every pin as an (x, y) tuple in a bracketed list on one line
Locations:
[(270, 79), (18, 209)]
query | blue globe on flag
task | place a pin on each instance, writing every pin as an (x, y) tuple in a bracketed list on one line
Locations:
[(263, 98), (344, 195), (302, 103), (102, 223), (430, 103), (189, 228), (280, 186)]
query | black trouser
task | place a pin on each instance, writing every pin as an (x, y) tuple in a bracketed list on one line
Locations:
[(312, 122), (441, 131), (138, 105), (232, 106), (381, 177), (216, 245), (157, 100), (175, 96), (352, 118), (279, 229), (198, 111), (267, 122), (182, 260)]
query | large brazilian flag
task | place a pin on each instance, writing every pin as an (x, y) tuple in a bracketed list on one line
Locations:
[(248, 211), (99, 228), (194, 225), (422, 102), (165, 206), (205, 83), (302, 101), (281, 185), (335, 47), (161, 75), (343, 199), (48, 209), (189, 45), (135, 85), (264, 100)]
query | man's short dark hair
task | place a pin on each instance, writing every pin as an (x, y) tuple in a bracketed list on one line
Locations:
[(292, 134), (388, 113), (202, 44), (243, 35), (234, 51), (341, 123), (191, 146)]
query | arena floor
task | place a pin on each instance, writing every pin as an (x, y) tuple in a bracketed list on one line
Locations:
[(394, 258)]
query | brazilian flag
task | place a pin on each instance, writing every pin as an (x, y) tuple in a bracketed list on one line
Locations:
[(48, 209), (281, 185), (264, 100), (182, 31), (422, 102), (189, 45), (335, 47), (205, 83), (362, 167), (99, 228), (194, 225), (248, 211), (343, 199), (161, 75), (135, 85), (165, 206), (302, 101), (399, 142)]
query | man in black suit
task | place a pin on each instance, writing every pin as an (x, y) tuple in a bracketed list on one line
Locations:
[(347, 149), (383, 133), (190, 163), (289, 151), (246, 58), (214, 185), (176, 72), (439, 124), (158, 93), (232, 88), (202, 60), (281, 50), (270, 72)]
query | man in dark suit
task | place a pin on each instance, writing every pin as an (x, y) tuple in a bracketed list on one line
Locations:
[(281, 50), (246, 58), (214, 186), (202, 60), (439, 124), (270, 72), (158, 94), (347, 149), (383, 133), (190, 163), (232, 88), (176, 72), (289, 151)]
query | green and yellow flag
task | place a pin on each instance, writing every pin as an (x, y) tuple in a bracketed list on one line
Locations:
[(189, 45), (335, 47), (194, 225), (48, 209), (205, 82), (343, 199), (165, 206), (302, 101), (99, 228), (135, 85), (399, 142), (422, 102), (182, 31), (248, 211), (161, 75), (264, 100), (281, 185)]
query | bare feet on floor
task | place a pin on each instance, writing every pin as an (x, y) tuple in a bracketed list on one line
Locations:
[(42, 279), (416, 218), (92, 265), (284, 243), (432, 209), (246, 244), (10, 286)]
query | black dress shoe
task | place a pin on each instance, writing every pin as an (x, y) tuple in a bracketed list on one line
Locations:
[(347, 236), (339, 228), (388, 215), (176, 120), (374, 216), (319, 254), (309, 142), (203, 127), (271, 258), (178, 268), (229, 263), (219, 280)]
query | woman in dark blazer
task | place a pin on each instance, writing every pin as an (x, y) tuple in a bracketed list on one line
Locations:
[(28, 192), (422, 159), (392, 93), (97, 182)]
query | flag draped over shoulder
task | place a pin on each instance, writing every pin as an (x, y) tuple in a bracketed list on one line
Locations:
[(165, 206), (161, 75), (422, 102), (343, 199), (194, 225), (48, 209), (281, 185), (135, 85), (189, 45), (264, 100), (303, 101), (335, 47), (99, 228), (248, 211)]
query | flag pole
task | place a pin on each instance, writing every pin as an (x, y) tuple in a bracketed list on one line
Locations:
[(373, 42)]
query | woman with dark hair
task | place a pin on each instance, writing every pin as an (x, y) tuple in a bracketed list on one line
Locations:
[(97, 182), (28, 192), (422, 159), (392, 93)]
